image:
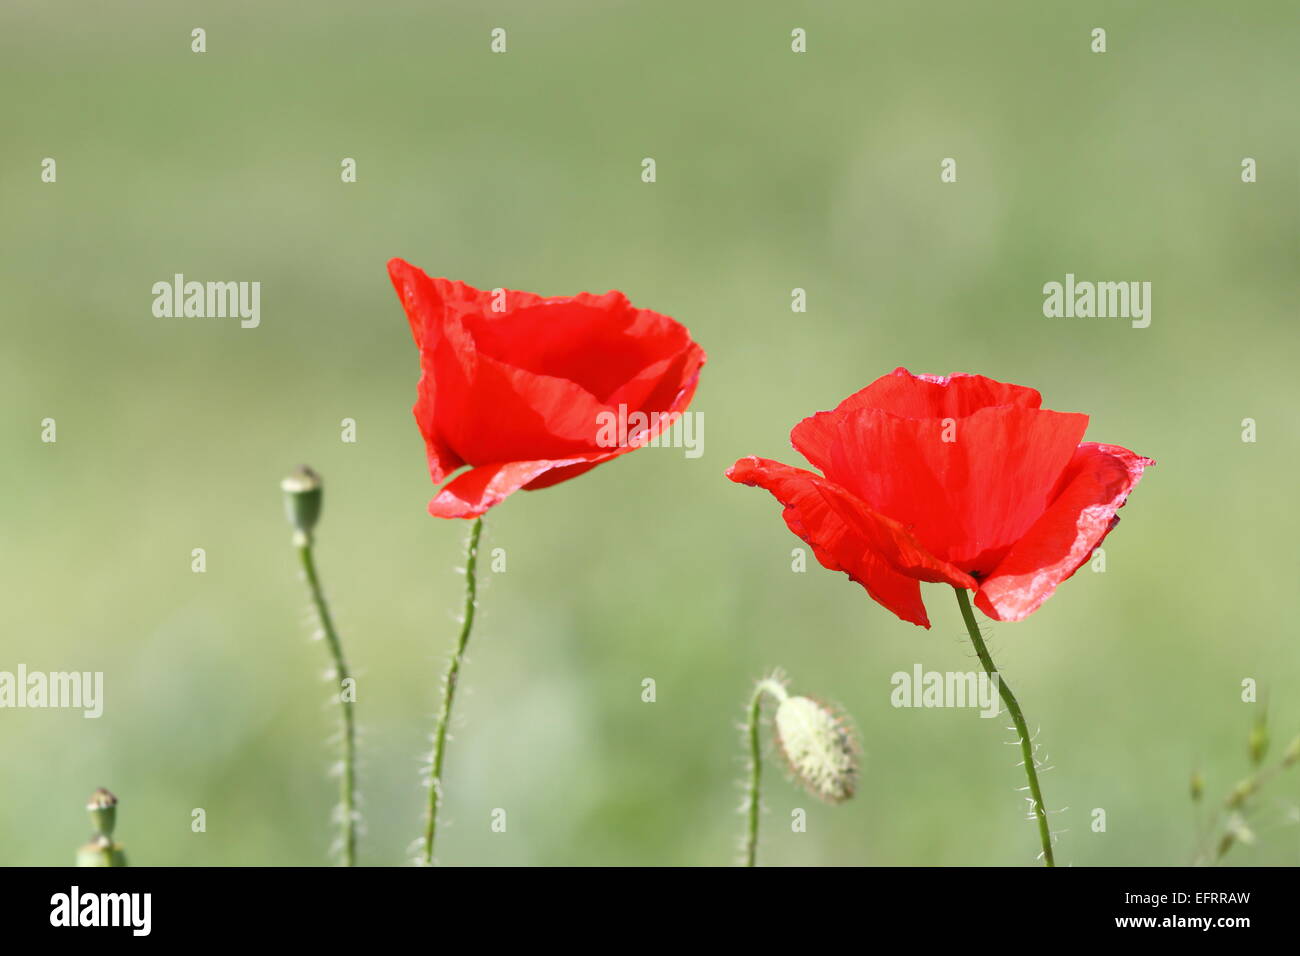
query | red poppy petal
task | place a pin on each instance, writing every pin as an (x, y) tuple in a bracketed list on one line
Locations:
[(601, 342), (472, 408), (938, 396), (422, 301), (491, 412), (429, 300), (850, 544), (657, 424), (666, 385), (1096, 484), (891, 540), (910, 396), (442, 459), (967, 488), (472, 493), (563, 473)]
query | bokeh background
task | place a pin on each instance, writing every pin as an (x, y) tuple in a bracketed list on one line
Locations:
[(775, 170)]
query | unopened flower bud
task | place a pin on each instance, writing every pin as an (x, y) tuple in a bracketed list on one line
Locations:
[(1197, 785), (818, 747), (303, 494), (1292, 753), (103, 812)]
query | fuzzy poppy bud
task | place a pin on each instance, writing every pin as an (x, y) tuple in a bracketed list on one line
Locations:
[(303, 495), (818, 747), (1197, 785)]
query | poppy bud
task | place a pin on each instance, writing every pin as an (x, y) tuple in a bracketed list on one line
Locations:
[(103, 812), (1292, 753), (303, 494), (818, 747), (1197, 785), (101, 850)]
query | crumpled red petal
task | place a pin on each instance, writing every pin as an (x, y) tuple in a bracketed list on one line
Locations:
[(493, 412), (938, 396), (845, 537), (473, 492), (1095, 485), (423, 303), (967, 489), (599, 342)]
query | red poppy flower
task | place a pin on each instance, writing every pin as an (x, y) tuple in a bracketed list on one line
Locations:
[(958, 479), (518, 386)]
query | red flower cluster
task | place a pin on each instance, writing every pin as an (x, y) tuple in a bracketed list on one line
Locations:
[(516, 386), (956, 479)]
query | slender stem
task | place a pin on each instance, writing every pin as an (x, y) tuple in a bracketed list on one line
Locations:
[(449, 691), (755, 777), (347, 724), (1018, 718), (769, 685)]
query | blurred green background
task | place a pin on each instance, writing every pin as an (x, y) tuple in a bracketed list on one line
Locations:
[(775, 170)]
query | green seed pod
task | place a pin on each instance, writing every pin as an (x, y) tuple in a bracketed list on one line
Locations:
[(103, 812), (818, 747), (303, 497)]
